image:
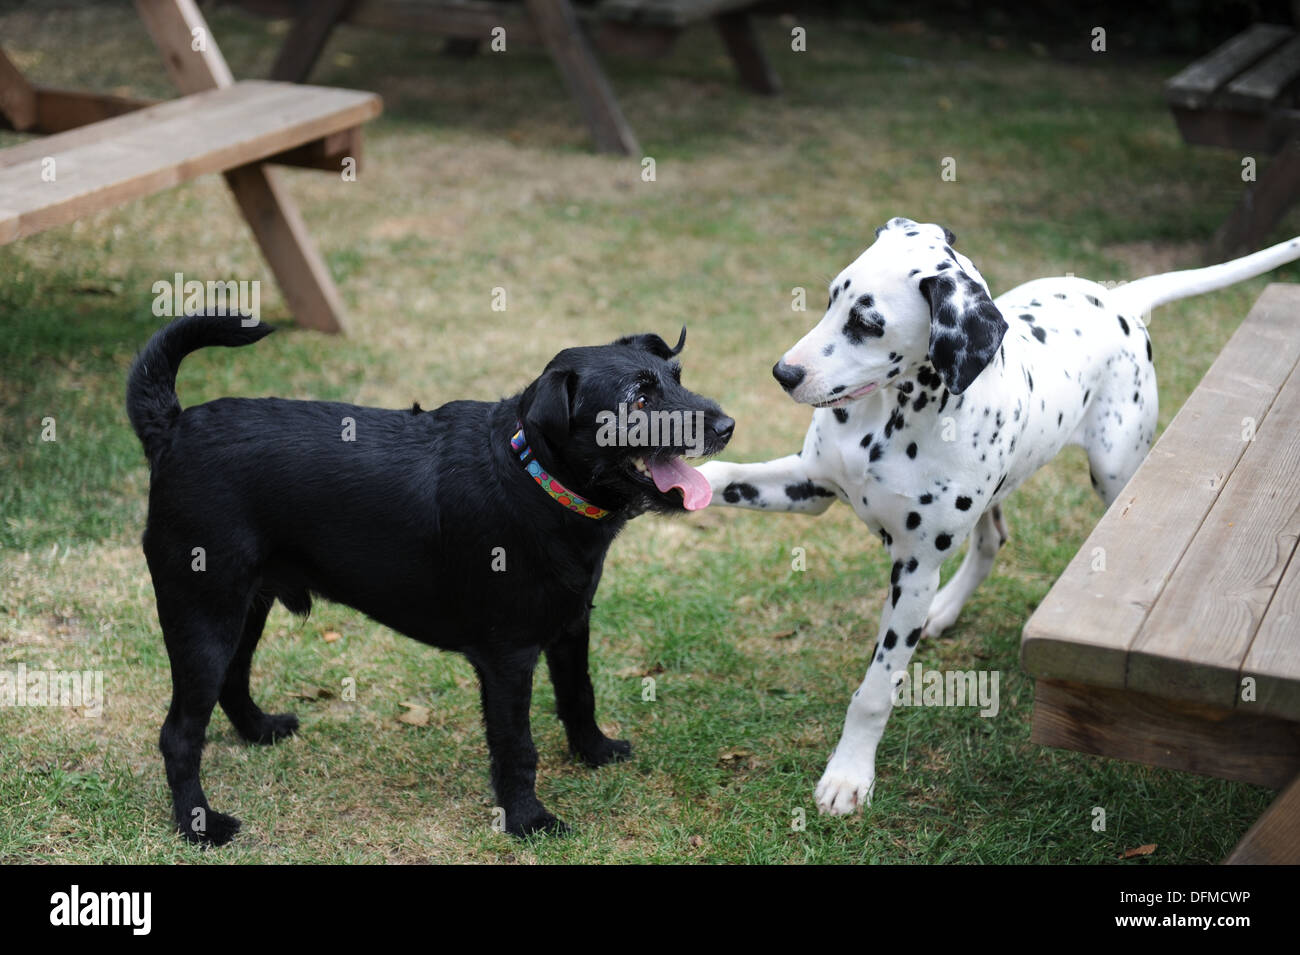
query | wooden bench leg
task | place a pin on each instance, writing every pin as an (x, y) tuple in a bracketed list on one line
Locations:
[(1274, 839), (756, 74), (559, 29), (17, 98), (279, 229), (302, 47), (1261, 207)]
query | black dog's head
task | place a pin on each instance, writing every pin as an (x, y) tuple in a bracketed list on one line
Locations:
[(616, 422)]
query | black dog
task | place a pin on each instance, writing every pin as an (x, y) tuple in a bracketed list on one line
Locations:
[(479, 527)]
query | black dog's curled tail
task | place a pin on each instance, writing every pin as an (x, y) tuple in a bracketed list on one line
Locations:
[(151, 401)]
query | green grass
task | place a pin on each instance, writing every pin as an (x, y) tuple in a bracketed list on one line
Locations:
[(478, 176)]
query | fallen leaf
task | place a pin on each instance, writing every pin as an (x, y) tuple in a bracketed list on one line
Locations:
[(695, 841), (416, 714), (313, 693), (783, 635), (331, 635), (1139, 851)]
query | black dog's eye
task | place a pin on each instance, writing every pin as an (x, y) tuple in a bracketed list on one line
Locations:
[(639, 403)]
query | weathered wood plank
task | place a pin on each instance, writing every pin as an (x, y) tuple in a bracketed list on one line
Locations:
[(302, 47), (1084, 628), (1195, 640), (556, 24), (1274, 657), (17, 97), (737, 32), (1189, 737), (120, 159), (189, 50), (1260, 87), (1274, 839), (1194, 85), (1230, 129)]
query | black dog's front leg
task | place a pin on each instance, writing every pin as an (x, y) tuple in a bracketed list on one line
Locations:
[(506, 688), (575, 701)]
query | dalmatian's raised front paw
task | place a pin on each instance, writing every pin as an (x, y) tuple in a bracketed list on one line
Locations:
[(844, 788)]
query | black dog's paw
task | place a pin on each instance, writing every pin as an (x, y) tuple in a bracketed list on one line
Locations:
[(520, 826), (272, 729), (209, 828), (605, 751)]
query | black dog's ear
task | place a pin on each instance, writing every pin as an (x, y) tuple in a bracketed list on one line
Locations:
[(654, 344), (549, 410), (966, 328)]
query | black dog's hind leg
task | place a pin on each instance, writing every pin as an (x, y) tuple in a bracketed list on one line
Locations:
[(506, 686), (575, 702), (249, 720), (201, 647)]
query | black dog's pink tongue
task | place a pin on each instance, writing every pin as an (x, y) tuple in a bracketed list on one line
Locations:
[(675, 472)]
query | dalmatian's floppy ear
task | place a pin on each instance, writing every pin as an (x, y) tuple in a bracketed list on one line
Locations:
[(966, 328)]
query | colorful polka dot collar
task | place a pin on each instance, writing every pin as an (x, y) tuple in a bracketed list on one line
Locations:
[(551, 486)]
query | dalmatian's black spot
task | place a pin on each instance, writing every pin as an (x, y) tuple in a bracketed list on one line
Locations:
[(1040, 334), (902, 396), (913, 272), (846, 283), (1059, 295), (1027, 318), (829, 350), (905, 387), (926, 498), (841, 415), (1035, 303), (913, 637), (943, 265), (734, 492), (837, 389), (943, 542), (898, 569), (913, 520), (805, 490), (898, 592), (911, 234), (835, 294), (1122, 324), (877, 451), (1148, 349), (1086, 395), (863, 322), (1000, 483), (866, 440), (923, 376), (943, 401), (1060, 416), (891, 638), (963, 503), (911, 566), (893, 372), (887, 538), (895, 357), (1136, 397), (1093, 300), (1029, 375), (921, 401), (911, 450)]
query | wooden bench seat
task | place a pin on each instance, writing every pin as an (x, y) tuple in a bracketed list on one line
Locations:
[(113, 161)]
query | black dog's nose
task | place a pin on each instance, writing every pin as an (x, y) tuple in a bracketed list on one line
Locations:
[(788, 375), (723, 427)]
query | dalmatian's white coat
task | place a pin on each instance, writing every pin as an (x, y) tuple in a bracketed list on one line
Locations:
[(935, 402)]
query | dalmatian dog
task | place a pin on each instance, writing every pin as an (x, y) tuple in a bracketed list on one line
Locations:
[(934, 402)]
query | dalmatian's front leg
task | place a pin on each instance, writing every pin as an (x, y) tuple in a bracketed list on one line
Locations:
[(783, 484), (851, 773)]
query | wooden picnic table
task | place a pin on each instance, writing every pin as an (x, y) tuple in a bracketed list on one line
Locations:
[(567, 30), (1173, 636), (1244, 96), (97, 151)]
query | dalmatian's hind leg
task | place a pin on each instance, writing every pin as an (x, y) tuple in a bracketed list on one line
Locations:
[(989, 536)]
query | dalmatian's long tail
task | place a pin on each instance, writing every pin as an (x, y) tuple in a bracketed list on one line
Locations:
[(1142, 295)]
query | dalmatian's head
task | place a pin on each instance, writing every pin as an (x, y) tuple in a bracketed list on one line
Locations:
[(906, 300)]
